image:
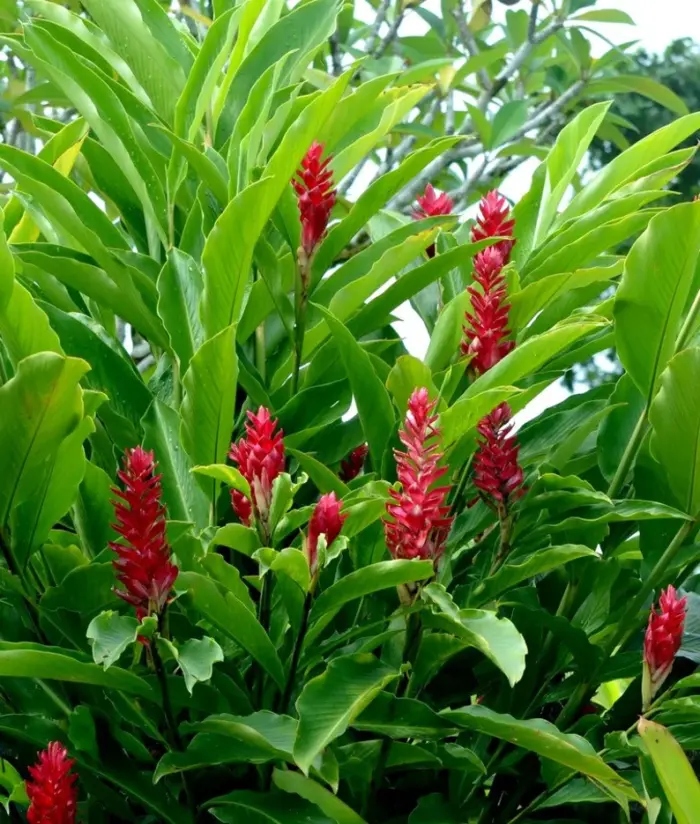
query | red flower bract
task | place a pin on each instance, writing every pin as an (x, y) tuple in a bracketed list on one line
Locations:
[(260, 458), (419, 522), (663, 637), (315, 195), (143, 567), (484, 337), (327, 520), (494, 220), (51, 789), (352, 465), (497, 473), (430, 204)]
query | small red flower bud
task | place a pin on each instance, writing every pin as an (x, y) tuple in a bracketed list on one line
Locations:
[(316, 197), (484, 336), (494, 221), (430, 204), (327, 520), (143, 565), (242, 507), (419, 518), (51, 788), (662, 641), (497, 473), (352, 465), (260, 458)]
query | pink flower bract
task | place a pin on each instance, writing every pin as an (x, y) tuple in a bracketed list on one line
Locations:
[(664, 636), (431, 204), (51, 788), (352, 465), (315, 195), (143, 567), (497, 473), (494, 220), (419, 521), (327, 520)]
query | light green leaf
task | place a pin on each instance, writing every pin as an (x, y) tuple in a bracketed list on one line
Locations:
[(408, 374), (197, 658), (238, 537), (325, 479), (465, 413), (448, 332), (330, 702), (179, 293), (290, 781), (111, 634), (508, 120), (228, 475), (646, 86)]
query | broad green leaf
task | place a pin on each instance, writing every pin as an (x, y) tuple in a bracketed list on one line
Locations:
[(676, 774), (675, 421), (402, 718), (617, 428), (408, 374), (247, 807), (373, 403), (34, 661), (238, 537), (330, 702), (651, 298), (325, 479), (544, 739), (209, 403), (290, 781), (563, 162), (496, 637), (179, 293), (197, 658), (39, 407), (646, 86), (225, 474), (605, 16), (231, 616), (111, 634), (465, 413), (522, 569), (508, 120)]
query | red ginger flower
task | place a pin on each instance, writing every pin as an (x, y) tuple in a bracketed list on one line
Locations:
[(51, 789), (352, 466), (662, 641), (488, 320), (260, 458), (327, 520), (497, 473), (494, 220), (316, 196), (143, 566), (432, 205), (419, 522)]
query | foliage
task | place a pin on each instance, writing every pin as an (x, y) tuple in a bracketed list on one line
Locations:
[(157, 285)]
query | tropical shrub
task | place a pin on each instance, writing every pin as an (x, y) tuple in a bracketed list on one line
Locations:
[(261, 564)]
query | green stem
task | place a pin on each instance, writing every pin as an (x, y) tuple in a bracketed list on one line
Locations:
[(628, 456), (296, 654), (264, 618), (301, 299), (176, 741)]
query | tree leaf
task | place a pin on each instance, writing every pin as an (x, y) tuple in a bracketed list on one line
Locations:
[(646, 86), (330, 702)]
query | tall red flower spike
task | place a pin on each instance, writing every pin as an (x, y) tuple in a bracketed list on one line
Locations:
[(260, 458), (419, 522), (316, 197), (327, 520), (430, 204), (143, 567), (662, 641), (352, 465), (494, 220), (484, 337), (497, 473), (51, 788)]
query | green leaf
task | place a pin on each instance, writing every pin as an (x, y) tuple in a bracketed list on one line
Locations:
[(544, 739), (508, 120), (209, 403), (183, 497), (325, 479), (653, 292), (522, 569), (676, 774), (646, 86), (465, 413), (180, 288), (293, 782), (39, 407), (605, 16), (373, 402), (402, 718), (225, 474), (675, 421), (330, 702), (246, 807), (496, 637), (34, 661), (238, 537), (617, 428), (408, 374), (111, 634), (231, 616), (197, 658)]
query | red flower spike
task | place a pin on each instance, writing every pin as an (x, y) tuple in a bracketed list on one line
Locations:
[(327, 520), (352, 466), (494, 220), (242, 507), (260, 458), (143, 567), (432, 205), (497, 473), (484, 338), (51, 788), (662, 641), (315, 195), (419, 522)]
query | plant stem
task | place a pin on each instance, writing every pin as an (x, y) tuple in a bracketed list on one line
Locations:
[(506, 522), (176, 741), (628, 455), (301, 299), (296, 654)]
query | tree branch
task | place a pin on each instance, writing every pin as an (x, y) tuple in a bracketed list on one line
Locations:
[(377, 25), (390, 36), (469, 42), (336, 58)]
